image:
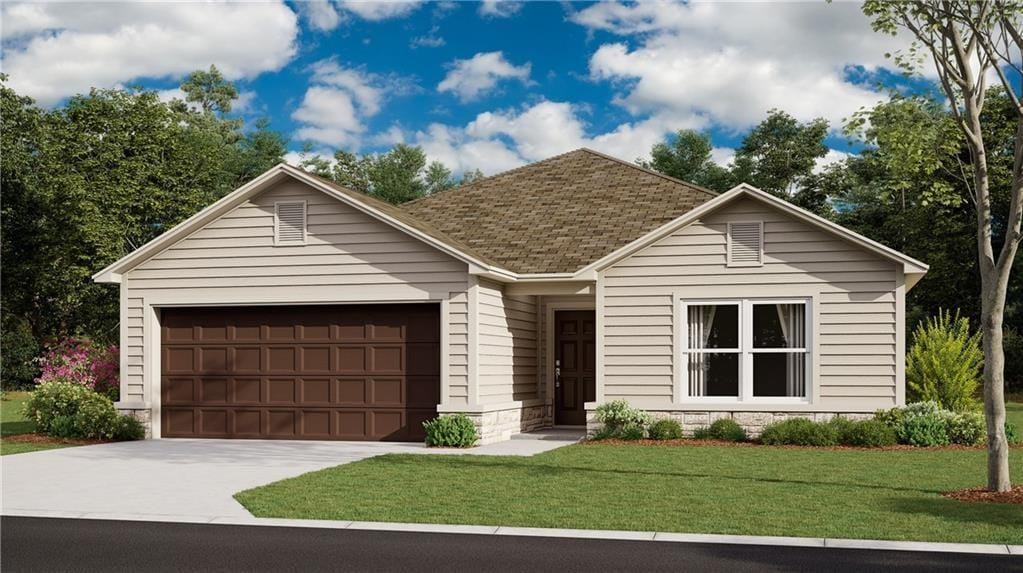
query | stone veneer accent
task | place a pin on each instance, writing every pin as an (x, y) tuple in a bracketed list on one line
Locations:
[(752, 422), (500, 425), (140, 412)]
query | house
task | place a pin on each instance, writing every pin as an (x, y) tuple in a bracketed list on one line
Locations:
[(295, 308)]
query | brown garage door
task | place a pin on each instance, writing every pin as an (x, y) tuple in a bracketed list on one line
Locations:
[(368, 372)]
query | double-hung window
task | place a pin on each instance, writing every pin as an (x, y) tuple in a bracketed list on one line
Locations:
[(746, 349)]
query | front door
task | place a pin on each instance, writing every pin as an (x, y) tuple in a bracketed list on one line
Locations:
[(575, 370)]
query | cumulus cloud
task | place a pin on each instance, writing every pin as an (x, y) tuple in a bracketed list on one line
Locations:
[(499, 8), (381, 10), (731, 62), (320, 14), (53, 51), (469, 79), (499, 140)]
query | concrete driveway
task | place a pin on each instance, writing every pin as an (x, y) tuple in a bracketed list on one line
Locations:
[(188, 479)]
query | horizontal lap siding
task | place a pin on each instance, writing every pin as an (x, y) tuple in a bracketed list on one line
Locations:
[(349, 256), (507, 346), (856, 289)]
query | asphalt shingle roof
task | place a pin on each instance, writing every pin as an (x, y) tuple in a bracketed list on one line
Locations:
[(557, 215)]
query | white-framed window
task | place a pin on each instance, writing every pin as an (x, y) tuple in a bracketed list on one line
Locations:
[(746, 349)]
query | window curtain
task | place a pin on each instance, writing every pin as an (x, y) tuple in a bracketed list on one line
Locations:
[(793, 320), (701, 319)]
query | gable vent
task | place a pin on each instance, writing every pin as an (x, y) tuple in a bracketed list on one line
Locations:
[(290, 223), (745, 244)]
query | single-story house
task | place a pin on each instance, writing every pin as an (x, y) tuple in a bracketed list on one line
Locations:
[(295, 308)]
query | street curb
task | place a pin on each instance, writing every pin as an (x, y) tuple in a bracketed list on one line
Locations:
[(870, 544)]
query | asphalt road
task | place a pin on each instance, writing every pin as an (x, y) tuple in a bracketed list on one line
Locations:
[(44, 544)]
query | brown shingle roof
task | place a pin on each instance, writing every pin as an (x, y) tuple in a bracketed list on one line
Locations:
[(557, 215)]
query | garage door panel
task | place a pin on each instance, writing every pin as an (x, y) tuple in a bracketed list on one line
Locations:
[(368, 372)]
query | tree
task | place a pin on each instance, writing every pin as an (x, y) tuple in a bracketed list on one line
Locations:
[(258, 151), (209, 90), (470, 176), (965, 41), (687, 156), (779, 154), (397, 176)]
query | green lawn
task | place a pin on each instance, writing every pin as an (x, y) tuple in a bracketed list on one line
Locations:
[(1014, 412), (12, 422), (714, 489)]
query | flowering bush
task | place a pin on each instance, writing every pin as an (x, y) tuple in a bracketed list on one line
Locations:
[(79, 361), (64, 408)]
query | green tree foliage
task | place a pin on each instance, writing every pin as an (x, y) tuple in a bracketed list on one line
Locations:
[(209, 90), (687, 156), (944, 363), (396, 176), (88, 182)]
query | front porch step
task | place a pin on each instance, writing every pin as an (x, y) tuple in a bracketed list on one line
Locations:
[(552, 434)]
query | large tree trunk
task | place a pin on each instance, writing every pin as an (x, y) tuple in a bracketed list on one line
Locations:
[(994, 286)]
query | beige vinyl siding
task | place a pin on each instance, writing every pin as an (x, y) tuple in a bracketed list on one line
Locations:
[(855, 292), (507, 345), (458, 349), (349, 257)]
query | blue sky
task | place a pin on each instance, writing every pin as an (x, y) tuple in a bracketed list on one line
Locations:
[(479, 85)]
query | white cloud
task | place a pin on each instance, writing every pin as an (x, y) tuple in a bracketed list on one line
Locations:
[(722, 155), (431, 40), (731, 62), (321, 14), (499, 8), (500, 140), (831, 157), (469, 79), (357, 83), (66, 48), (381, 10)]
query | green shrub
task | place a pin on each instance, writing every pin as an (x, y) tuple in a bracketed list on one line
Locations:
[(129, 428), (1012, 434), (17, 353), (632, 432), (799, 432), (96, 418), (451, 431), (866, 434), (68, 410), (944, 363), (843, 428), (891, 418), (728, 430), (965, 428), (617, 415), (62, 426), (702, 434), (666, 429), (603, 433), (924, 430)]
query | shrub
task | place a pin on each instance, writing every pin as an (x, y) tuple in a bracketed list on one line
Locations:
[(944, 362), (666, 429), (1012, 434), (129, 428), (451, 431), (617, 415), (843, 428), (702, 434), (799, 432), (866, 434), (67, 409), (891, 418), (924, 430), (632, 432), (602, 433), (79, 361), (728, 430), (965, 428), (17, 353)]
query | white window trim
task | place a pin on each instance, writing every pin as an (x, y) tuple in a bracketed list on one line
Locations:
[(745, 351), (305, 224), (728, 248)]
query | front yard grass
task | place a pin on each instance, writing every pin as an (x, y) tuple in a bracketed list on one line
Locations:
[(893, 494), (14, 423)]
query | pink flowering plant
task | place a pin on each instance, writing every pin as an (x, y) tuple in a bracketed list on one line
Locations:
[(80, 361)]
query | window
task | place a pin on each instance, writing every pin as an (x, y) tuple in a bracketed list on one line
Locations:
[(746, 244), (289, 223), (746, 349)]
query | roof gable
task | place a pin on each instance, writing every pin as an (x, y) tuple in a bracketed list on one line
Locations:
[(560, 214)]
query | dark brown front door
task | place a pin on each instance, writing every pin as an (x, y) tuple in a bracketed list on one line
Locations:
[(575, 365), (366, 372)]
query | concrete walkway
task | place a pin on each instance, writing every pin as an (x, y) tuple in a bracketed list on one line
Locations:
[(193, 479)]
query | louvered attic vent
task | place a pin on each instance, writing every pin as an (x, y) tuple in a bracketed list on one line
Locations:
[(290, 223), (745, 244)]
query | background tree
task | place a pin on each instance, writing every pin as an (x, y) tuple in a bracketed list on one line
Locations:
[(687, 156), (965, 41), (209, 90), (396, 176)]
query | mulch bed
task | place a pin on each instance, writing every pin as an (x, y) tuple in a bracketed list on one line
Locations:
[(719, 443), (982, 495), (41, 439)]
